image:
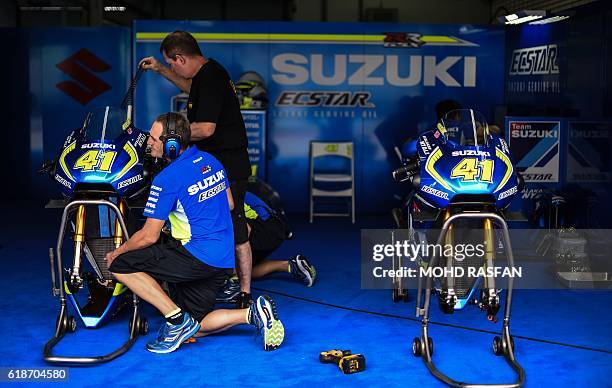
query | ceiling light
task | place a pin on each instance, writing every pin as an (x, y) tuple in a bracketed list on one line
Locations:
[(554, 18), (522, 17), (114, 9)]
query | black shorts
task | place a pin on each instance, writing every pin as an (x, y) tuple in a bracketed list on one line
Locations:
[(241, 234), (193, 284), (266, 236)]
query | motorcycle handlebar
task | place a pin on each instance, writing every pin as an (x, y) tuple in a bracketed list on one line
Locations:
[(406, 172)]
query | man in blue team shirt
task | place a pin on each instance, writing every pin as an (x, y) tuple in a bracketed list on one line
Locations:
[(193, 194)]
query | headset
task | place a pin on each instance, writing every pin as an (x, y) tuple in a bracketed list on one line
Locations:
[(171, 139)]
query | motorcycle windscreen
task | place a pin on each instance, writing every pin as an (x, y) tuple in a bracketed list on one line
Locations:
[(466, 127), (105, 124)]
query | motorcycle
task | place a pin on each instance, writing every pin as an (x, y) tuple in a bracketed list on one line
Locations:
[(100, 171), (463, 177)]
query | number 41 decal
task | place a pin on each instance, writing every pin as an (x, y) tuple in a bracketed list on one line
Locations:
[(470, 169), (93, 160)]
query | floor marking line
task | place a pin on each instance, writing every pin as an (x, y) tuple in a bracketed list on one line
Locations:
[(431, 322)]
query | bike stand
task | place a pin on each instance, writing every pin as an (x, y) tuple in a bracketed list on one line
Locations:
[(400, 293), (67, 324), (423, 347)]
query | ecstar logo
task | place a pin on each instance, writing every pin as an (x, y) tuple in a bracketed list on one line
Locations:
[(436, 192), (325, 99), (129, 181), (507, 193), (536, 177), (539, 60)]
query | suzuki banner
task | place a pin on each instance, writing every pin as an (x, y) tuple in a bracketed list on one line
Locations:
[(373, 84), (536, 65), (534, 145), (537, 148)]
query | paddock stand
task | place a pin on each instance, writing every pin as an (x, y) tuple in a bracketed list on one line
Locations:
[(504, 345), (400, 293), (67, 324)]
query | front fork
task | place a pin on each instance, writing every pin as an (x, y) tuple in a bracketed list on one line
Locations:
[(489, 299), (449, 295), (118, 236), (76, 280)]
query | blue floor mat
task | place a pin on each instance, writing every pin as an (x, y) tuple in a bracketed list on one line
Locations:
[(562, 337)]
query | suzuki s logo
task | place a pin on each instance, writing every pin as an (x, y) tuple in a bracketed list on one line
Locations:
[(374, 70), (85, 85)]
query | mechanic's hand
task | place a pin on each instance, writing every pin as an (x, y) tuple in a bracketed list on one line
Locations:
[(110, 257), (150, 63)]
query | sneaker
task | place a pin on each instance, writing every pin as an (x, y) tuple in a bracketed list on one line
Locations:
[(301, 269), (263, 315), (230, 291), (170, 337)]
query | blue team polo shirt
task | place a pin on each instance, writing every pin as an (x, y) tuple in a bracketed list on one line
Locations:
[(190, 193)]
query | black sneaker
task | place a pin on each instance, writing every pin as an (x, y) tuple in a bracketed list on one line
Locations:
[(302, 270), (243, 300), (230, 291)]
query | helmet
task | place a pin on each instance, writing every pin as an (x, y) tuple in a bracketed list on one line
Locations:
[(251, 91), (252, 76)]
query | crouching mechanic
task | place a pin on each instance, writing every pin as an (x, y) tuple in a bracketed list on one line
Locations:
[(193, 193), (268, 229)]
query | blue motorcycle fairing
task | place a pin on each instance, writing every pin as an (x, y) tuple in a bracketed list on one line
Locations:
[(117, 162), (448, 169)]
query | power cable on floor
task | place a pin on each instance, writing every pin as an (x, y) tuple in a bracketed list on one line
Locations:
[(430, 322)]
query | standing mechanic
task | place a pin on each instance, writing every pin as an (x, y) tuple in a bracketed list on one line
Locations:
[(192, 193), (216, 127)]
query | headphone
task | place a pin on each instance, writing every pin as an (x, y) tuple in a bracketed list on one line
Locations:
[(172, 140)]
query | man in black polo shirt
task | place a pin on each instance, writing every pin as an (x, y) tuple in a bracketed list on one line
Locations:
[(216, 126)]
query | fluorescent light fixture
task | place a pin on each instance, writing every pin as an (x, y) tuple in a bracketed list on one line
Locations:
[(554, 18), (114, 9), (522, 17), (51, 8), (512, 17)]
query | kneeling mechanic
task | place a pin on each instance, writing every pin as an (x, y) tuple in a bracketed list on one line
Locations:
[(193, 194)]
